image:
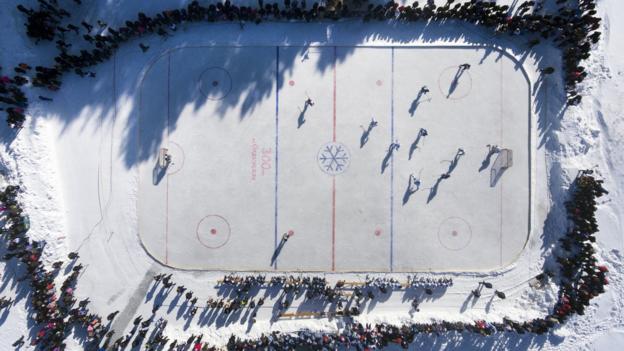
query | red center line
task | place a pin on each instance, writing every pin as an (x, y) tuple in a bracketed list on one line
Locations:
[(167, 189), (333, 223), (334, 177), (334, 127)]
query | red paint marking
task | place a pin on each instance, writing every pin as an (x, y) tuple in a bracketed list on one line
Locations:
[(213, 231), (291, 232), (379, 83), (377, 232), (334, 95), (333, 223), (167, 196), (291, 83), (334, 178), (454, 232)]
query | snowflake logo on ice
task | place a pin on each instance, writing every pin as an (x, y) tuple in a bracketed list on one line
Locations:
[(333, 158)]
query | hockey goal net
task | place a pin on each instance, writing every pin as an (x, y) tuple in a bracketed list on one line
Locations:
[(504, 160)]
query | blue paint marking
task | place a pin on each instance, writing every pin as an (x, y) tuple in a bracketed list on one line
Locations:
[(277, 58), (392, 163)]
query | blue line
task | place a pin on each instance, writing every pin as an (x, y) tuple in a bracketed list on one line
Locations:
[(392, 164), (276, 143)]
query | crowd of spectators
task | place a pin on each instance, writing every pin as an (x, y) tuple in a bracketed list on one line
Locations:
[(573, 28)]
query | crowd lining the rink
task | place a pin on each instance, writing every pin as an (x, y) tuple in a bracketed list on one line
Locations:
[(55, 311)]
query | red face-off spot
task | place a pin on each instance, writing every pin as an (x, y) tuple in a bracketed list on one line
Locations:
[(291, 232), (291, 83), (213, 231), (377, 232), (379, 83), (454, 233)]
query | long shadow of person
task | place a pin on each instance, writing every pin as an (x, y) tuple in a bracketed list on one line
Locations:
[(433, 191), (386, 161), (277, 251), (421, 133), (366, 133), (301, 119), (417, 101), (412, 186), (455, 161), (455, 81)]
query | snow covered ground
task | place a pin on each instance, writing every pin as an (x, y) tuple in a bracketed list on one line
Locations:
[(89, 181)]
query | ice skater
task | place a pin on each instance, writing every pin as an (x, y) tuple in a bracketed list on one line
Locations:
[(421, 134), (367, 131), (279, 247), (492, 149), (413, 186), (460, 152), (386, 161), (301, 119), (417, 101), (460, 71), (309, 102)]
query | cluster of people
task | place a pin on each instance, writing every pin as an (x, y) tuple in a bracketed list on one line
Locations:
[(581, 280), (429, 282), (581, 277), (54, 313), (12, 98), (314, 287), (573, 28)]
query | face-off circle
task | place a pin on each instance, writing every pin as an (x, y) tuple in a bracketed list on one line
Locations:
[(215, 83), (333, 158), (455, 83), (454, 233), (213, 231), (177, 157)]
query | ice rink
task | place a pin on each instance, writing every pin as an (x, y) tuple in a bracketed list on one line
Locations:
[(252, 160)]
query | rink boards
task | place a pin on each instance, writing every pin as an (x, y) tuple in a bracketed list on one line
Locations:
[(252, 162)]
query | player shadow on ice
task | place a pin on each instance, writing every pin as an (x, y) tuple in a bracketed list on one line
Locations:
[(386, 160), (413, 185), (366, 132), (278, 249), (455, 81), (433, 191), (421, 134), (492, 150), (417, 101), (301, 119)]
